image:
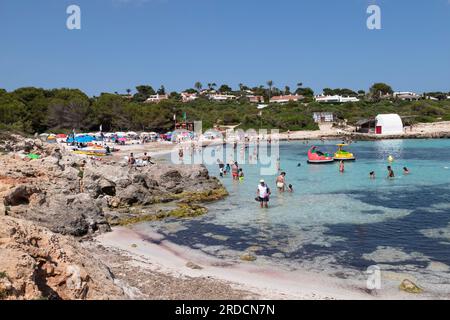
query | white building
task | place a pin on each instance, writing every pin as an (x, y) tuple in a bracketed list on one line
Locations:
[(222, 97), (323, 117), (187, 97), (255, 99), (335, 99), (386, 124), (157, 98), (406, 95), (285, 98)]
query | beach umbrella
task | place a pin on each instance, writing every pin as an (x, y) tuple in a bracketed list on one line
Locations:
[(122, 139), (61, 136)]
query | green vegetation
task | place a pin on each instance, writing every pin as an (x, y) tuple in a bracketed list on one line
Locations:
[(183, 210), (32, 110)]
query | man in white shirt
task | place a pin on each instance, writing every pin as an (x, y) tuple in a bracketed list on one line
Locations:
[(263, 193)]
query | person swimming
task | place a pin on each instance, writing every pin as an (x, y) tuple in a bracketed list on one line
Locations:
[(390, 172), (372, 175), (405, 170)]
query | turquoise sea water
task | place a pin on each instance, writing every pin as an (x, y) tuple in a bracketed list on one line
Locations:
[(336, 221)]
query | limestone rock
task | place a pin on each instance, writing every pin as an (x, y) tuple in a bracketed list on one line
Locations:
[(36, 263)]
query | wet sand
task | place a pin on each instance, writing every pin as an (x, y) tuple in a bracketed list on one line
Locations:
[(245, 280)]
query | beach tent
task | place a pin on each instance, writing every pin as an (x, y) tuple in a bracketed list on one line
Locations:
[(388, 124), (81, 139), (132, 134)]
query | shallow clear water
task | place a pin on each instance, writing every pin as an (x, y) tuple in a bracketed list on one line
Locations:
[(334, 220)]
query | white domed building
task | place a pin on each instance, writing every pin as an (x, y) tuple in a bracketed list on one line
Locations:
[(387, 124)]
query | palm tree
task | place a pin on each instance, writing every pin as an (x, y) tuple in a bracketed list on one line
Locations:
[(241, 87), (198, 85), (287, 90), (213, 85), (270, 84), (128, 91), (300, 84)]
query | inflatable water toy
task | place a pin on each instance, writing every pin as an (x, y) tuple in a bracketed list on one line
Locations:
[(341, 154), (317, 156), (391, 158), (92, 151)]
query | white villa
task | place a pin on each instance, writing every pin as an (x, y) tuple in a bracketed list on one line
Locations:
[(157, 98), (406, 95), (221, 97), (187, 97), (335, 99)]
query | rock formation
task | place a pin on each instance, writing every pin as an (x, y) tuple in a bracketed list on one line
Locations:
[(78, 196), (48, 196), (36, 263)]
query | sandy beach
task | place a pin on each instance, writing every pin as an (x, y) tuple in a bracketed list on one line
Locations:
[(327, 131), (135, 255)]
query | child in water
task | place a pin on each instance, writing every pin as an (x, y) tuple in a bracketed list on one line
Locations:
[(241, 175), (290, 188), (372, 175), (405, 170)]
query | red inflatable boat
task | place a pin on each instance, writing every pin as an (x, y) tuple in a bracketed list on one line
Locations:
[(317, 156)]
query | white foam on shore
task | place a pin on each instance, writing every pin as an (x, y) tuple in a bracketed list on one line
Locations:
[(271, 282)]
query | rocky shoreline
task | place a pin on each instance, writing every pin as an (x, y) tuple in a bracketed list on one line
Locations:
[(48, 205)]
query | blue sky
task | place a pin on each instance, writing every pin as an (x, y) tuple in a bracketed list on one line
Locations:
[(322, 43)]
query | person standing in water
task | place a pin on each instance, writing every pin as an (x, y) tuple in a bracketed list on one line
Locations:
[(221, 166), (281, 181), (390, 172), (372, 175), (341, 167), (263, 193), (227, 168), (235, 171)]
